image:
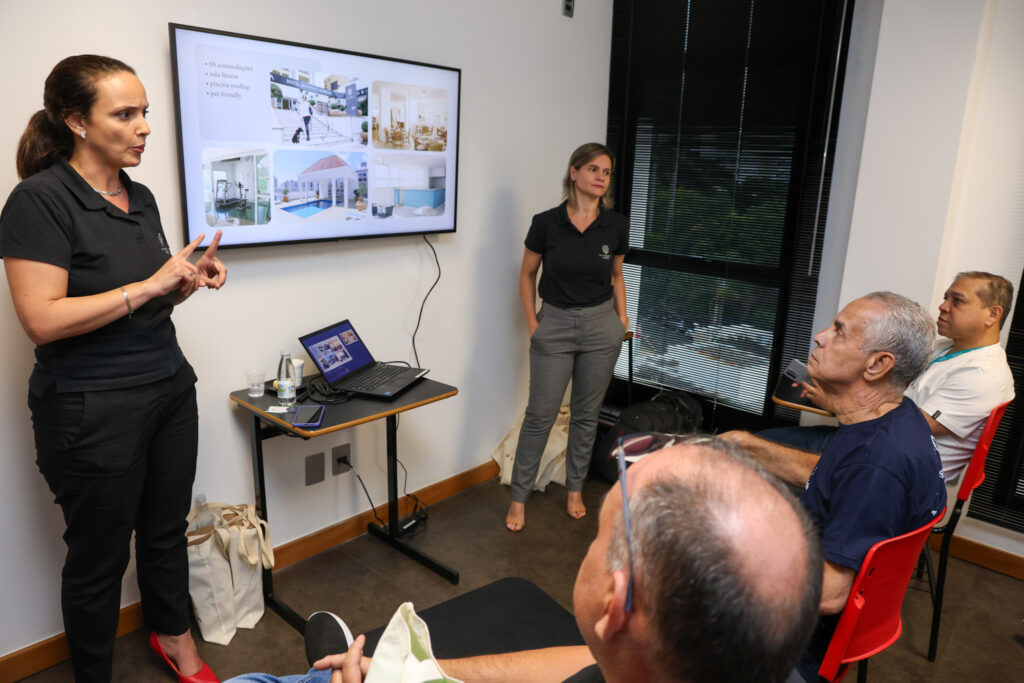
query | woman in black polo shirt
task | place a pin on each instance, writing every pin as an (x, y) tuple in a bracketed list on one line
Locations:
[(112, 397), (580, 328)]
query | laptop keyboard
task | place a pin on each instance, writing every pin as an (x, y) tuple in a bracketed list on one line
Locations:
[(379, 374)]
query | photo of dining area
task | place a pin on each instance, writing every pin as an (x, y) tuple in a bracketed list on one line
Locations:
[(409, 117)]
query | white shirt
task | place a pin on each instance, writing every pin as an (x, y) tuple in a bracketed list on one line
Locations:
[(959, 393)]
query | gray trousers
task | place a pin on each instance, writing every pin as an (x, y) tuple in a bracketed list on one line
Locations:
[(578, 343)]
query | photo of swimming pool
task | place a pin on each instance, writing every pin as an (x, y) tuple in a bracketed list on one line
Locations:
[(309, 208)]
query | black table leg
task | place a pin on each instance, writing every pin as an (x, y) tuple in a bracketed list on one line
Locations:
[(256, 436), (389, 533)]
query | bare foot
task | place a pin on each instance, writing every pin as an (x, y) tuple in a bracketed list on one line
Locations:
[(515, 520), (575, 506), (182, 651)]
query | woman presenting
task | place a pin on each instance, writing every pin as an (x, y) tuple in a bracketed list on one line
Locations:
[(112, 398), (579, 330)]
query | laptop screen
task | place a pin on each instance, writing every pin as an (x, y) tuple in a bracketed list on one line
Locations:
[(337, 350)]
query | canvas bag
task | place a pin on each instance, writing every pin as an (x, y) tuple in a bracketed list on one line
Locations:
[(209, 582), (225, 569), (246, 541), (403, 653), (552, 460)]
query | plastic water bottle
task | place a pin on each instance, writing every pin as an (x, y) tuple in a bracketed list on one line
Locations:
[(286, 380), (204, 516)]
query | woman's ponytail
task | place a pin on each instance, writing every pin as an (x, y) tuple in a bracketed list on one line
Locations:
[(42, 145)]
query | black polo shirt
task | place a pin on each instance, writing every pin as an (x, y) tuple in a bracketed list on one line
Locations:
[(577, 265), (56, 218)]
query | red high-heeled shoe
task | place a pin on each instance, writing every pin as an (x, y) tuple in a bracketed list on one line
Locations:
[(204, 675)]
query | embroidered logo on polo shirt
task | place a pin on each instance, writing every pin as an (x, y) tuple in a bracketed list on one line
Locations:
[(605, 252)]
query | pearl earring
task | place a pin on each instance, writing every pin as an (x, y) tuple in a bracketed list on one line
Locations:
[(82, 133)]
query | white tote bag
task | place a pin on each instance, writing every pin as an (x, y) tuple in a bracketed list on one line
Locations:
[(226, 559), (209, 583), (246, 540), (403, 653)]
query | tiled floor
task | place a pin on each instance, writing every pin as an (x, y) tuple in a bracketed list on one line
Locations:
[(982, 635)]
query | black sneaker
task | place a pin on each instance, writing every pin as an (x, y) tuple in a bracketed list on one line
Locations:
[(326, 634)]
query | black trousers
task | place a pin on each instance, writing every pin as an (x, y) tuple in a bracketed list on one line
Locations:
[(120, 461)]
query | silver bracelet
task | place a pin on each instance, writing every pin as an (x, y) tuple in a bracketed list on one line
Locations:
[(127, 302)]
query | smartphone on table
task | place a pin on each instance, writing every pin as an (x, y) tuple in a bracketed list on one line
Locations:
[(308, 416)]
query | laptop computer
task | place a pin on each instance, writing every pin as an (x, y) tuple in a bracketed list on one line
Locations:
[(346, 363)]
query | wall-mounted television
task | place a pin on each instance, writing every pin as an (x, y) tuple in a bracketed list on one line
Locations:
[(282, 142)]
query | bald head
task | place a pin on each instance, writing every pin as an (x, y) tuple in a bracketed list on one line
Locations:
[(727, 563)]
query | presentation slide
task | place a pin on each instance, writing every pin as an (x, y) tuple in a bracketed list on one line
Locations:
[(281, 142)]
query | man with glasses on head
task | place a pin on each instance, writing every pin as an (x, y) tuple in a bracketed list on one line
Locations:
[(710, 573), (879, 476)]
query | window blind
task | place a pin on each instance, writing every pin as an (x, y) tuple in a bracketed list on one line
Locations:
[(722, 114)]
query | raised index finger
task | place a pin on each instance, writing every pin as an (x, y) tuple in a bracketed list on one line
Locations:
[(191, 246), (211, 251)]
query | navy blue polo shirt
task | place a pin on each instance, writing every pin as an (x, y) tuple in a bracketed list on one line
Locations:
[(577, 265), (875, 480), (55, 217)]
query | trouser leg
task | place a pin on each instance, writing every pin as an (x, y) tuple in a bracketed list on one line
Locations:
[(97, 483), (550, 369), (160, 550), (93, 450), (592, 372)]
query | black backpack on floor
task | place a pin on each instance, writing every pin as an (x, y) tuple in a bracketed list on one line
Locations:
[(672, 412)]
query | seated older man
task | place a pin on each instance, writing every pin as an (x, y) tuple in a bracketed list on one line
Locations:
[(880, 475), (967, 377), (713, 575)]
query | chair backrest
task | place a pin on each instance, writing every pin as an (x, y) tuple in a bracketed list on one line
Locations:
[(870, 621), (975, 472)]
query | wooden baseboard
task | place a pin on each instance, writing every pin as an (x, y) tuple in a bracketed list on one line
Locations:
[(982, 555), (46, 653)]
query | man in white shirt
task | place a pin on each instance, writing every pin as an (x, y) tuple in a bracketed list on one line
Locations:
[(968, 376)]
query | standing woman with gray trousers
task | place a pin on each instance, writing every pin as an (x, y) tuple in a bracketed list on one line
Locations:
[(579, 330)]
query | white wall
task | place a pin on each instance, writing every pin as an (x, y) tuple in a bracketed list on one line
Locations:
[(534, 85), (938, 185)]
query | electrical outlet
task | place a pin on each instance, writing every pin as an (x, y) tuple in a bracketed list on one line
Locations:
[(567, 7), (341, 459), (314, 469)]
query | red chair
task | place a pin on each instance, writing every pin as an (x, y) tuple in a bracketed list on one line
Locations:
[(870, 621), (972, 477)]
